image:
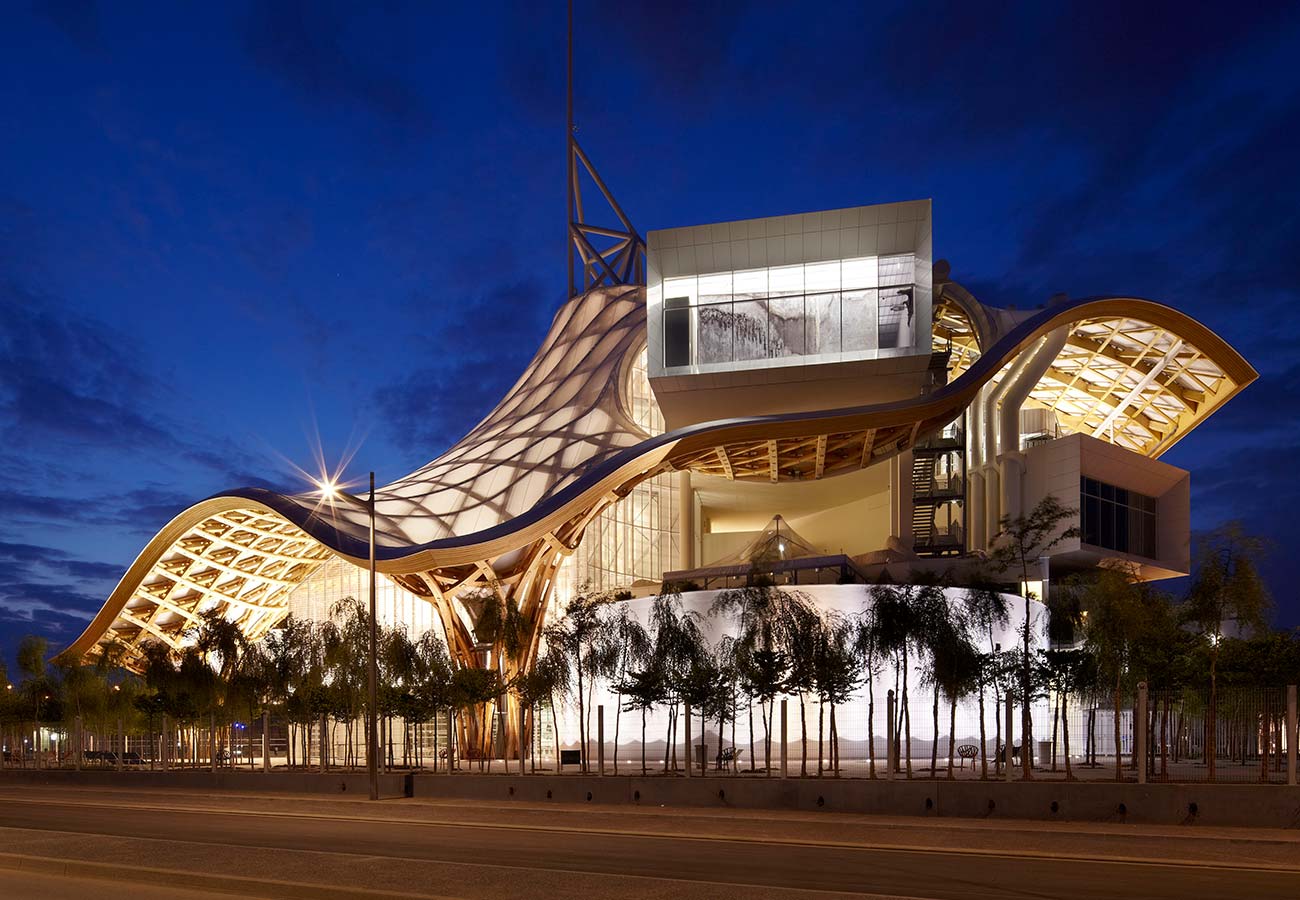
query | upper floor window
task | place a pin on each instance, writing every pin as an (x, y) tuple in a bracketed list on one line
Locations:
[(839, 306), (1117, 519)]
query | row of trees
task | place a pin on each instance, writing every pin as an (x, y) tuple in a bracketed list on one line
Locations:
[(1109, 631)]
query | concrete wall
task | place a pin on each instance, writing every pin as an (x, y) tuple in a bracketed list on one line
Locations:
[(1228, 805), (1243, 805), (1055, 468), (353, 784)]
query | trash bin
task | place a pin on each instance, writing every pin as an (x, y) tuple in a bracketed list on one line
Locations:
[(1044, 753)]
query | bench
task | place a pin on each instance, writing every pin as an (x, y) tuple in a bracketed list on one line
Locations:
[(965, 752), (727, 757)]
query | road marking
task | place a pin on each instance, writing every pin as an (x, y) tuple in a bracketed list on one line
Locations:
[(704, 838)]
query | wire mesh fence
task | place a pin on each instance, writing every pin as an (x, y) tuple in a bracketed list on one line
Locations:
[(1234, 734)]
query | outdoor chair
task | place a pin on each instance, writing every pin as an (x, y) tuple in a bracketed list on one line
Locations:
[(727, 757), (965, 752)]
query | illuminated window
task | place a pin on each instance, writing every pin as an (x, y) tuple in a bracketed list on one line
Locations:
[(839, 306)]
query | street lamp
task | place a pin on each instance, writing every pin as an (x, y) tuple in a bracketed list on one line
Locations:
[(329, 489)]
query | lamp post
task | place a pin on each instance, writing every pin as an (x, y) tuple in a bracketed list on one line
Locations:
[(330, 490)]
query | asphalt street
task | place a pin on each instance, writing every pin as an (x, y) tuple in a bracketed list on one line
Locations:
[(544, 851)]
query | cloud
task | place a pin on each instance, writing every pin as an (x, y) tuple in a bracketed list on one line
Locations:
[(306, 46), (49, 591), (66, 377)]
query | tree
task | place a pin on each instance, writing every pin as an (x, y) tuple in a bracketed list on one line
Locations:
[(472, 690), (987, 609), (576, 635), (624, 645), (1020, 543), (1115, 602), (866, 646), (902, 613), (224, 646), (767, 622), (954, 671), (805, 638), (502, 624), (1226, 588), (763, 676), (642, 690), (835, 675), (678, 646)]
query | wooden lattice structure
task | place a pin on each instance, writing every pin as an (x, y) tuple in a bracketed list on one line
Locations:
[(504, 506)]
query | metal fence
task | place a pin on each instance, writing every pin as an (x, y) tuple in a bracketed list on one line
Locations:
[(1242, 734)]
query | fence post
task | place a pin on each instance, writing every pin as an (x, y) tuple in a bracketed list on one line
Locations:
[(688, 740), (785, 757), (451, 743), (76, 747), (522, 752), (600, 737), (323, 745), (889, 736), (1009, 746), (1140, 733), (266, 741), (1291, 735)]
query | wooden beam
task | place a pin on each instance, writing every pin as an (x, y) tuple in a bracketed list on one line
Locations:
[(772, 470), (868, 442), (820, 463), (725, 462)]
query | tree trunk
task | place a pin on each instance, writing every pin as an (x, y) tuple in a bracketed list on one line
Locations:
[(1211, 717), (1119, 755), (803, 739), (820, 717), (952, 733), (753, 757), (984, 750), (1065, 732), (934, 745), (1164, 739), (906, 713), (643, 772), (1056, 720), (871, 725), (618, 714), (835, 744)]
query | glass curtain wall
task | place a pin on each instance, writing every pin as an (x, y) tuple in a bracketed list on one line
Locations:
[(637, 538), (839, 306), (336, 579)]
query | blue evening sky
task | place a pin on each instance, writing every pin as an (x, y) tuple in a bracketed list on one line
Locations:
[(230, 233)]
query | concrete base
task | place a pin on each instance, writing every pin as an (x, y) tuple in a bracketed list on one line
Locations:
[(1242, 805), (351, 784), (1238, 805)]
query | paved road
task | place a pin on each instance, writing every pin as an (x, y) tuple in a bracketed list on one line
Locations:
[(57, 887), (547, 851)]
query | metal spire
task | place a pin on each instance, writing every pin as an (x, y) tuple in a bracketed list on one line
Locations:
[(609, 255)]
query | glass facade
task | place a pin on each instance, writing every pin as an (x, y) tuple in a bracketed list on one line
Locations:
[(810, 309), (1117, 519), (637, 538), (336, 579)]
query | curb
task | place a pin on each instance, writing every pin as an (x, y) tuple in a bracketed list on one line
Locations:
[(231, 884)]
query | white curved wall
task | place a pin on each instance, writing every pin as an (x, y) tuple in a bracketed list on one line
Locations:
[(842, 600)]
